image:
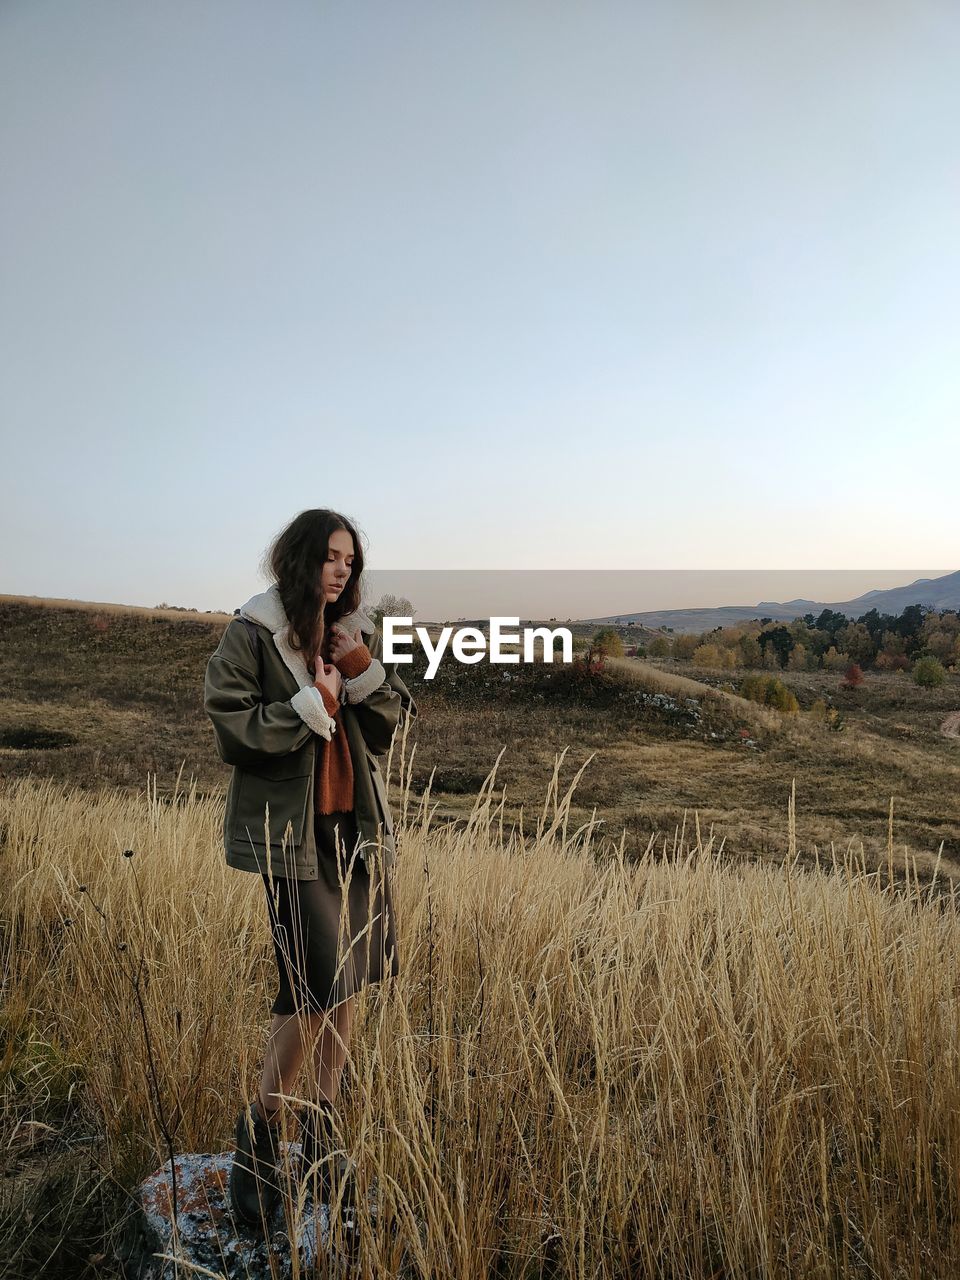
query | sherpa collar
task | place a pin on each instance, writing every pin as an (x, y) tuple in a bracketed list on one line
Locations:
[(267, 609)]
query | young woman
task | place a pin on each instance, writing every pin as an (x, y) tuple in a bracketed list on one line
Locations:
[(302, 706)]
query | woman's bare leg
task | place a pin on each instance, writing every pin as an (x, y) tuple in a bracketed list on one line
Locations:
[(281, 1062), (291, 1035), (329, 1054)]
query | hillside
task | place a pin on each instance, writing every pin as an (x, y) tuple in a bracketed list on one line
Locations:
[(935, 593), (108, 699)]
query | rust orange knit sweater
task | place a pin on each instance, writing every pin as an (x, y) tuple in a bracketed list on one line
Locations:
[(333, 780)]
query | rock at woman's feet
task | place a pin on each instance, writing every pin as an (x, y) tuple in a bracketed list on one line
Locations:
[(206, 1233)]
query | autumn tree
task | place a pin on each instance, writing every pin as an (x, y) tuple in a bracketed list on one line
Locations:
[(941, 644), (798, 657), (835, 661), (706, 655), (606, 643), (852, 677), (684, 646), (856, 640), (750, 652)]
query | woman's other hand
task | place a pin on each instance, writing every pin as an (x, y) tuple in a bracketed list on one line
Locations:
[(341, 642), (330, 678)]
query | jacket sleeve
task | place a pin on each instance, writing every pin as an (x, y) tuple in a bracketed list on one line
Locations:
[(379, 706), (248, 730)]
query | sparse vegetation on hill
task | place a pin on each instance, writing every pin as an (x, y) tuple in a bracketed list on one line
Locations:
[(114, 699)]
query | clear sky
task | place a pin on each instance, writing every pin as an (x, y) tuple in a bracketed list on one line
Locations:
[(515, 285)]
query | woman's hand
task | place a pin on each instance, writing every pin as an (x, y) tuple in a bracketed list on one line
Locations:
[(330, 678), (342, 642)]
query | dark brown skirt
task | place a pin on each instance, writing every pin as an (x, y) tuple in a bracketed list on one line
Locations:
[(334, 934)]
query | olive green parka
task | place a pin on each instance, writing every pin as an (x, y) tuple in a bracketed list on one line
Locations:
[(268, 718)]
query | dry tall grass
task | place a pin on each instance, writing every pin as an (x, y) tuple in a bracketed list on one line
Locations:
[(703, 1070)]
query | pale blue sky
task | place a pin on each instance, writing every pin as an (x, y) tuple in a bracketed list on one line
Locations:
[(515, 285)]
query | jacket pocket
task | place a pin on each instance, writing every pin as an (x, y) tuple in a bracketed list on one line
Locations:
[(287, 799)]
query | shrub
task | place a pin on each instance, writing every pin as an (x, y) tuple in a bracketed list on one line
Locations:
[(821, 714), (590, 663), (754, 688), (853, 677), (771, 692), (929, 672), (781, 698)]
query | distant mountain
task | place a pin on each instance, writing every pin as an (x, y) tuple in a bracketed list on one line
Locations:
[(937, 593)]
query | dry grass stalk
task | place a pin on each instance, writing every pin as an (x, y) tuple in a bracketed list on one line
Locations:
[(705, 1068)]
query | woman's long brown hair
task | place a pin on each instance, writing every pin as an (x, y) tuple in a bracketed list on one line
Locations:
[(295, 560)]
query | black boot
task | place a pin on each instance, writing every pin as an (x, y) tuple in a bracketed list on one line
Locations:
[(254, 1180), (331, 1177)]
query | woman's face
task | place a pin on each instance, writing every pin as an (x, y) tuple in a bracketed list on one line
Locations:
[(336, 570)]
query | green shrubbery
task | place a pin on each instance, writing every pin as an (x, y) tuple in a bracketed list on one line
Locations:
[(929, 672), (771, 692)]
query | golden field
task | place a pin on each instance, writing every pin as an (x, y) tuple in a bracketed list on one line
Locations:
[(696, 1068)]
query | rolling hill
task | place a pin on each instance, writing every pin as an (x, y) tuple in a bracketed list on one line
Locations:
[(935, 593)]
